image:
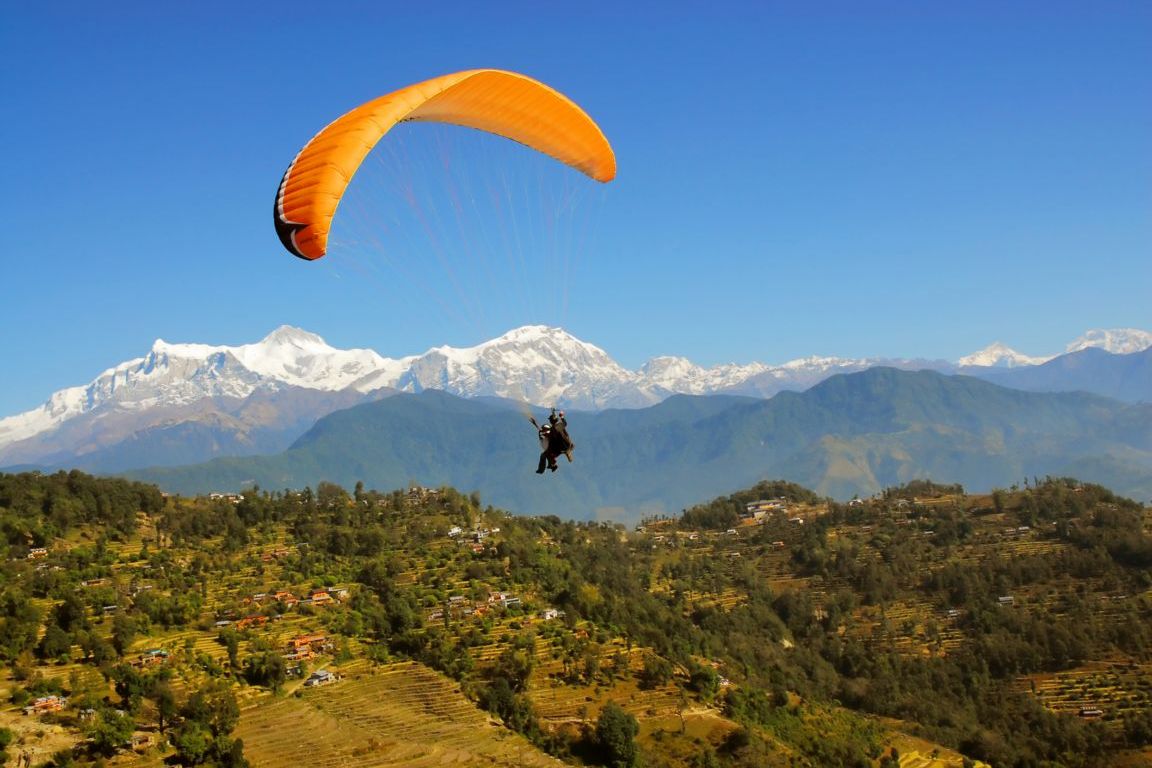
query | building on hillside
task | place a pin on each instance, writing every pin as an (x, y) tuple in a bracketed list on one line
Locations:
[(45, 704), (320, 597), (503, 599), (320, 677), (252, 620), (315, 643)]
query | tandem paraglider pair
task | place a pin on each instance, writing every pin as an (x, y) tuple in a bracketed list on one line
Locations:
[(504, 103), (554, 441)]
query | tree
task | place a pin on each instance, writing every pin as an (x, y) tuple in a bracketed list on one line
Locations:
[(124, 630), (193, 742), (55, 645), (110, 730), (267, 669), (166, 707), (215, 706), (515, 666), (657, 671), (616, 736)]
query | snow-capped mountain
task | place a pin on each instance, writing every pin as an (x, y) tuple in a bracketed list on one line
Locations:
[(1118, 341), (534, 364), (245, 398), (680, 375), (182, 374), (998, 355)]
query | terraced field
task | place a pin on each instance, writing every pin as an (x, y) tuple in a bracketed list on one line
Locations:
[(396, 715), (1112, 688)]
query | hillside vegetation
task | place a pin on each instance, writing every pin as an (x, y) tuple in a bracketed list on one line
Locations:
[(920, 627)]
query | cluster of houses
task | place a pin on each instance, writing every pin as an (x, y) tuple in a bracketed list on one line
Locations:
[(275, 554), (476, 537), (459, 605), (46, 704), (151, 658), (304, 647), (756, 512), (316, 597)]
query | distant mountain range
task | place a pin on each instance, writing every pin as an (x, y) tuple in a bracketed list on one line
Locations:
[(852, 434), (186, 403)]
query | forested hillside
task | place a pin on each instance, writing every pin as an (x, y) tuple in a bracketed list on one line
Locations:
[(919, 627)]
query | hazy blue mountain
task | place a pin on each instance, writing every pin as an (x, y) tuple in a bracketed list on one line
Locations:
[(851, 434), (1126, 377), (112, 439)]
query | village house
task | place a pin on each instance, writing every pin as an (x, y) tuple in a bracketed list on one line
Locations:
[(252, 620), (320, 677), (286, 597), (151, 658), (275, 554), (37, 553), (504, 599), (320, 597)]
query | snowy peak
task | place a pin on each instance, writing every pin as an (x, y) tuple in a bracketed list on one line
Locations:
[(1118, 341), (180, 374), (288, 336), (538, 364), (678, 374), (999, 355)]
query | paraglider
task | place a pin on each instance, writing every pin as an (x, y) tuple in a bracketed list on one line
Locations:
[(499, 102), (503, 103), (554, 441)]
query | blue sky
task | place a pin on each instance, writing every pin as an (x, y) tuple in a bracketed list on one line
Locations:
[(856, 178)]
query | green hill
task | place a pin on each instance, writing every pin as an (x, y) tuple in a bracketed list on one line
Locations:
[(850, 435), (923, 627)]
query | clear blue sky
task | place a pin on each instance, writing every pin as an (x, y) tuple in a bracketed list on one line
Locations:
[(840, 178)]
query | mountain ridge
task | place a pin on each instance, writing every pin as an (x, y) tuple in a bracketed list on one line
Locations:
[(178, 388), (853, 434)]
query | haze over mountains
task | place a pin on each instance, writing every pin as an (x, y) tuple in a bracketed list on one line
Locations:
[(188, 403)]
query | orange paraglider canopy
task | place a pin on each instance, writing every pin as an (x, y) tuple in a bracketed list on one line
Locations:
[(503, 103)]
